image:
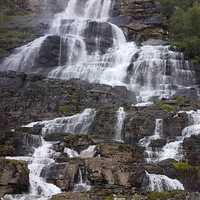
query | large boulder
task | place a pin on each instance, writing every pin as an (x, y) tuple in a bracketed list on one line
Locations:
[(14, 177)]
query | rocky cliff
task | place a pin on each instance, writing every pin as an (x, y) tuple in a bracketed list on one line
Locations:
[(94, 141)]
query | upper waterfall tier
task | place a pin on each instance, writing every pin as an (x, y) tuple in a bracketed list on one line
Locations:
[(83, 44)]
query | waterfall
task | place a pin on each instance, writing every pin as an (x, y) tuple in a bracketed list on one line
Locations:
[(160, 183), (174, 149), (82, 185), (76, 124), (119, 125), (95, 50), (145, 142), (86, 153), (39, 189)]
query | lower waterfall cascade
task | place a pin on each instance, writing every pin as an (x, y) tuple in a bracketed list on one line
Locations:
[(39, 189)]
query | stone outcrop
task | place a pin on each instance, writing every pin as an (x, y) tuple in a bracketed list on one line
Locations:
[(14, 177), (139, 19), (191, 147)]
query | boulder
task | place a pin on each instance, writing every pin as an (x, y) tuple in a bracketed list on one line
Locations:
[(14, 177)]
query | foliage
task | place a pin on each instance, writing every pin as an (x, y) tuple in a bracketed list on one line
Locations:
[(184, 26), (182, 166), (166, 107)]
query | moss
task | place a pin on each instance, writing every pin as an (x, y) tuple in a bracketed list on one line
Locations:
[(6, 150), (185, 170), (182, 166), (180, 100), (174, 195), (109, 197), (166, 107), (10, 39)]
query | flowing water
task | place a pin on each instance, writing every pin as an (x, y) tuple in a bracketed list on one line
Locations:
[(86, 153), (39, 188), (146, 142), (121, 115), (43, 155), (76, 124), (160, 183), (93, 49), (174, 149)]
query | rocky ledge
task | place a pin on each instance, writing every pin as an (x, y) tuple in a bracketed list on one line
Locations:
[(14, 177)]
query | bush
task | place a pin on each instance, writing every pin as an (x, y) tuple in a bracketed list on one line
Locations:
[(184, 26)]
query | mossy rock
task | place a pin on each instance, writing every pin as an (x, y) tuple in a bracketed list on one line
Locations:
[(6, 150), (10, 39), (174, 195)]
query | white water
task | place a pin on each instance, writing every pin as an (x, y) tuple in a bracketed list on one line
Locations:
[(39, 189), (160, 183), (148, 70), (86, 153), (145, 142), (121, 115), (76, 124), (174, 149), (82, 185)]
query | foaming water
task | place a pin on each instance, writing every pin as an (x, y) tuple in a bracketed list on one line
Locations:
[(95, 50), (39, 188), (160, 183), (75, 124), (174, 149), (121, 115), (151, 155), (86, 153)]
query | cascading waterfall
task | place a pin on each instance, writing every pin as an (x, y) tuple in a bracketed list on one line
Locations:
[(174, 149), (160, 183), (39, 189), (82, 185), (145, 142), (121, 115), (86, 153), (42, 157), (76, 124), (97, 51)]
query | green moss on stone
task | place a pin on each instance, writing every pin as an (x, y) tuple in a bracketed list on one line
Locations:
[(174, 195)]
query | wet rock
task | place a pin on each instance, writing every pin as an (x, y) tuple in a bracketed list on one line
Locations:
[(78, 142), (28, 98), (191, 148), (174, 124), (14, 177), (101, 32), (120, 152), (64, 175), (140, 20)]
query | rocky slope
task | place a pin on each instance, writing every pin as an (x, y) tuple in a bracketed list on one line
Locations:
[(116, 169)]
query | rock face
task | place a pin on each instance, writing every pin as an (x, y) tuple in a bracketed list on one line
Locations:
[(31, 98), (139, 19), (13, 177), (191, 147)]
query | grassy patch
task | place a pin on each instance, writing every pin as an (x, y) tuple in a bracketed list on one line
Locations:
[(174, 195)]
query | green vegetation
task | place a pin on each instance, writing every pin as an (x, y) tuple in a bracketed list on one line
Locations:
[(186, 170), (184, 26), (10, 39), (182, 166), (173, 106), (178, 195), (13, 7), (6, 150), (166, 107)]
